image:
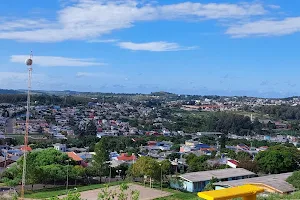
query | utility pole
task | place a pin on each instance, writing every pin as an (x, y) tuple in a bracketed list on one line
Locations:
[(67, 184)]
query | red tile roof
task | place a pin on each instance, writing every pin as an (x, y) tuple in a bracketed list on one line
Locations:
[(233, 162), (125, 157), (74, 156), (27, 148)]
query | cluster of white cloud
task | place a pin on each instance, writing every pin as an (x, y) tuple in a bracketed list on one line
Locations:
[(266, 28), (90, 19), (153, 46)]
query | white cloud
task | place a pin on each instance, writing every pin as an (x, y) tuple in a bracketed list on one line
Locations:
[(266, 28), (89, 19), (153, 46), (24, 24), (274, 6), (102, 41), (54, 61)]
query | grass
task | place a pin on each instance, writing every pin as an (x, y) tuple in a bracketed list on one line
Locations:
[(52, 192), (181, 196)]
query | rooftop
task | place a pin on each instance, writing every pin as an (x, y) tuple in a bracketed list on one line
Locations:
[(276, 182), (219, 174), (74, 156)]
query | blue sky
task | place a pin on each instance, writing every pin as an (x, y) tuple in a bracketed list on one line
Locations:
[(188, 47)]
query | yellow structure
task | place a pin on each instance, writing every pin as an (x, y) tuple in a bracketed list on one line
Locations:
[(247, 192)]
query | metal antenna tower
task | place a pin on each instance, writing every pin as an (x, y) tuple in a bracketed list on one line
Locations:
[(28, 62)]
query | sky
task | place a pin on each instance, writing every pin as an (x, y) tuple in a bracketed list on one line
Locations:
[(222, 47)]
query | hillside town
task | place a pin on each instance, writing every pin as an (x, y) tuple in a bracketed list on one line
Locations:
[(139, 129)]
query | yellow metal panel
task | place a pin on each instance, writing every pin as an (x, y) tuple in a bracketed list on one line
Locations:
[(247, 191)]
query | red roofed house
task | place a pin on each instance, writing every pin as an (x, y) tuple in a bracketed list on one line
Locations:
[(126, 157), (151, 143), (263, 148), (27, 148), (243, 147), (232, 163), (76, 158)]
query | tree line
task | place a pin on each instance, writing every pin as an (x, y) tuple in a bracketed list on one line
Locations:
[(284, 112), (220, 122)]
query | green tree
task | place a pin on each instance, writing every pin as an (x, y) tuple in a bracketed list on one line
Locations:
[(294, 179), (91, 128), (101, 157), (278, 159), (230, 153), (196, 163), (243, 156), (175, 147), (45, 166), (210, 185), (173, 156), (146, 166), (165, 167), (249, 165)]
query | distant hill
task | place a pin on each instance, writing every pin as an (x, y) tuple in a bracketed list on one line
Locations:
[(162, 93), (5, 91)]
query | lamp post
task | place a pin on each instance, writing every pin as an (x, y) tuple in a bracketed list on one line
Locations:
[(119, 172), (67, 184), (109, 174), (160, 176)]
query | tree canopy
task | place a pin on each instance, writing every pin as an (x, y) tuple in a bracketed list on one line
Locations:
[(278, 159), (44, 166)]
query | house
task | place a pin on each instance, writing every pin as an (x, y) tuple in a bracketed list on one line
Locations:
[(60, 147), (76, 158), (86, 155), (163, 146), (13, 152), (275, 183), (114, 155), (262, 148), (191, 143), (195, 146), (204, 147), (280, 125), (242, 147), (196, 181), (126, 157), (4, 162), (26, 148), (232, 163), (179, 165)]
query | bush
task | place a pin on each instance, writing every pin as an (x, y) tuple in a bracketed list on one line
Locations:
[(294, 179)]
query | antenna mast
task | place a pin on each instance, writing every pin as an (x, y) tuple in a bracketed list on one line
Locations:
[(28, 62)]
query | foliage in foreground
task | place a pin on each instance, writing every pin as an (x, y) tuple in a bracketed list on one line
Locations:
[(294, 179)]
